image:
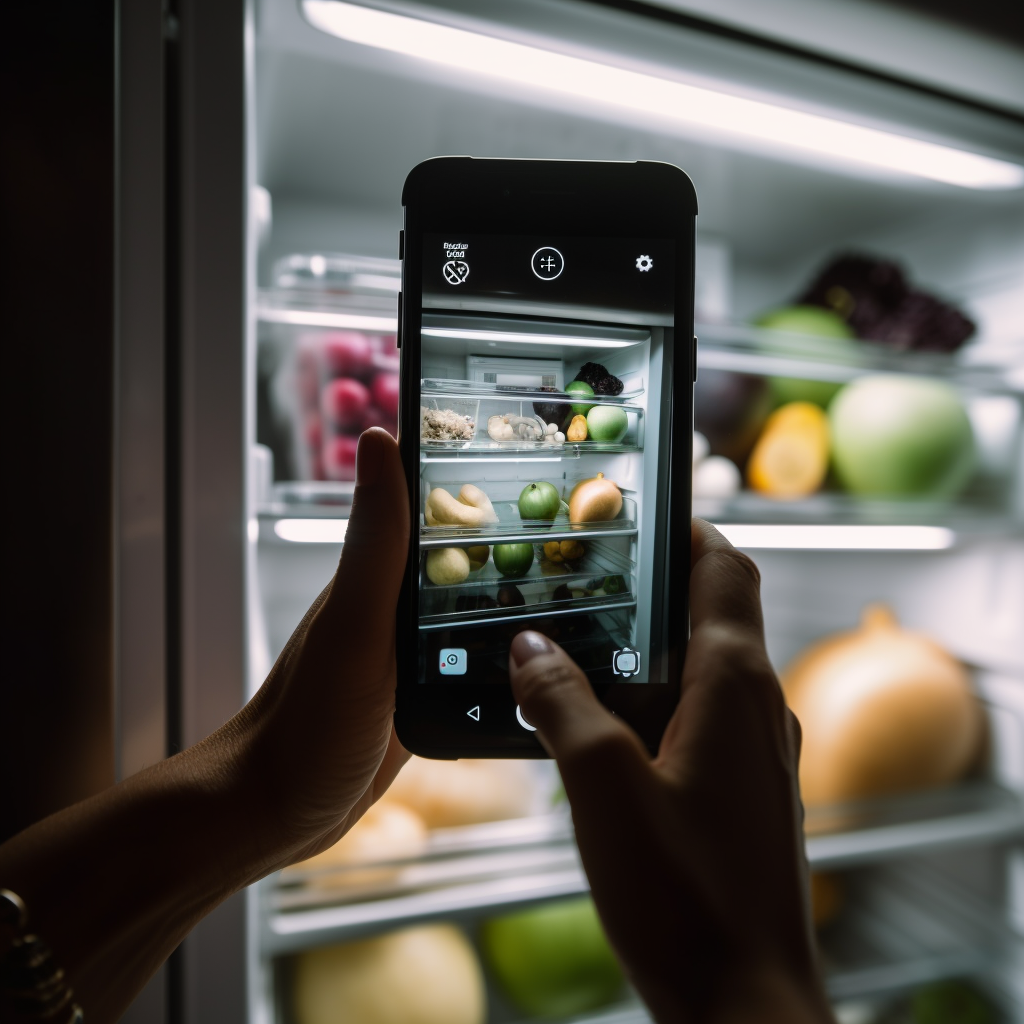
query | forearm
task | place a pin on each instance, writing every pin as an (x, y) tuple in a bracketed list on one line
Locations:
[(113, 884)]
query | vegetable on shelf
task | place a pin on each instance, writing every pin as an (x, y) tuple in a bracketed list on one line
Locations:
[(446, 794), (471, 508), (577, 428), (447, 566), (834, 336), (513, 559), (882, 710), (539, 500), (593, 501), (388, 831), (445, 425), (607, 423), (790, 459), (478, 554), (564, 550), (583, 389), (553, 960), (602, 382), (424, 975), (895, 435)]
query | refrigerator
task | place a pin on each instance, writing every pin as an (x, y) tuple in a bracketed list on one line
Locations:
[(267, 142)]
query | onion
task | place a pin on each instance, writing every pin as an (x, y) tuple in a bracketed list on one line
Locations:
[(883, 710)]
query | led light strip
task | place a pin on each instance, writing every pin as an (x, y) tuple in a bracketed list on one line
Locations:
[(312, 531), (563, 341), (834, 537), (675, 101)]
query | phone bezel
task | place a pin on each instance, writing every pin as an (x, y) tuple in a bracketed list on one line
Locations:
[(499, 196)]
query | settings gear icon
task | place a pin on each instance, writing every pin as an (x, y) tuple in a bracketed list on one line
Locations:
[(644, 263)]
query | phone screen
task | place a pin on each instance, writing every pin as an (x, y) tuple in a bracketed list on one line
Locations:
[(546, 404)]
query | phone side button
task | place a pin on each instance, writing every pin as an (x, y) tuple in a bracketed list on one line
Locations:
[(398, 333), (401, 244), (695, 359)]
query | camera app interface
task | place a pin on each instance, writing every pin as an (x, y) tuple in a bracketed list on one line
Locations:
[(544, 417)]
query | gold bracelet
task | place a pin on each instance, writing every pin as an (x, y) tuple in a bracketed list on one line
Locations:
[(31, 985)]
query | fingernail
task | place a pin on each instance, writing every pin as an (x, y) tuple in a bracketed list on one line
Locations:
[(368, 458), (528, 645)]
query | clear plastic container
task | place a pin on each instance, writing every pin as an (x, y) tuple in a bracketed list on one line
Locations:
[(328, 329)]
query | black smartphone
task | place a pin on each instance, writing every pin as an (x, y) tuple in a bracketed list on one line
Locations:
[(546, 428)]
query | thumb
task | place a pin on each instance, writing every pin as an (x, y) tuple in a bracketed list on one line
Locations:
[(556, 697), (364, 593)]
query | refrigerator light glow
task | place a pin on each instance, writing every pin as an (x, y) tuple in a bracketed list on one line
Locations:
[(676, 101), (458, 334), (320, 318), (312, 531), (835, 537)]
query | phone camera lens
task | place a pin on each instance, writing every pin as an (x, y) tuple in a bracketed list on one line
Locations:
[(452, 659), (506, 192)]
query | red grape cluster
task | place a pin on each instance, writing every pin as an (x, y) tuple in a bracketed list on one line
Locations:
[(347, 382)]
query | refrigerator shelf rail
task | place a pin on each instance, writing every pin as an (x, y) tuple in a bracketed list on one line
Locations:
[(498, 449), (462, 389), (531, 613), (475, 870)]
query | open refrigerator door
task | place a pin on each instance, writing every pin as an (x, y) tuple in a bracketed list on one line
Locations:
[(464, 890)]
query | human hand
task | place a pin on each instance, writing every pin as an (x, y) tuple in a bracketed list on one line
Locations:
[(317, 740), (696, 858)]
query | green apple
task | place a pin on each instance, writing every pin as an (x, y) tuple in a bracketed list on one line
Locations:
[(512, 559), (835, 335), (553, 960), (539, 501), (580, 387), (607, 423), (901, 436)]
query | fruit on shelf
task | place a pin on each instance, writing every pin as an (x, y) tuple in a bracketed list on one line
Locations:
[(564, 551), (339, 458), (603, 382), (715, 477), (384, 390), (730, 409), (424, 975), (388, 831), (607, 423), (882, 710), (836, 342), (347, 354), (553, 960), (344, 401), (952, 1001), (465, 792), (595, 501), (478, 556), (447, 566), (471, 508), (513, 559), (790, 459), (583, 389), (539, 501), (901, 436), (577, 428)]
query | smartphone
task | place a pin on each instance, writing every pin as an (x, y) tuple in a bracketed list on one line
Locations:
[(546, 429)]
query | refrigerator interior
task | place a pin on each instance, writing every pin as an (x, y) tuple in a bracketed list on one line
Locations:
[(933, 885)]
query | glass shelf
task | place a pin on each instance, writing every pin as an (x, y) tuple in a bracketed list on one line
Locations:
[(476, 869), (511, 529), (436, 388), (547, 588)]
